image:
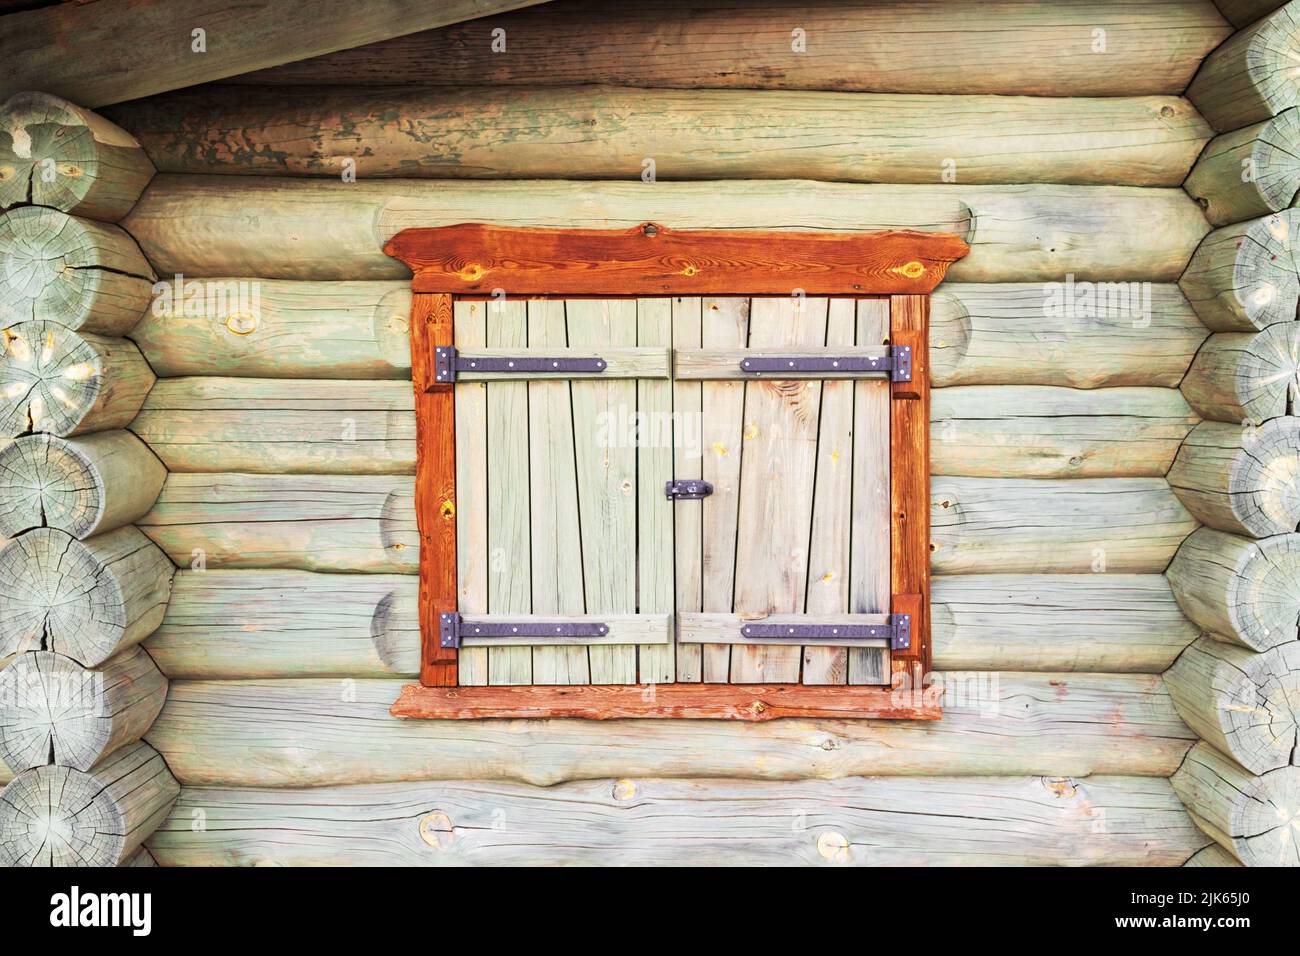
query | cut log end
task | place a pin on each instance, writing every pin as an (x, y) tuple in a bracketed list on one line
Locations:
[(84, 599), (62, 382), (79, 273), (1254, 818), (56, 711), (60, 816), (1249, 172), (1252, 76), (1246, 378), (56, 154), (1245, 276)]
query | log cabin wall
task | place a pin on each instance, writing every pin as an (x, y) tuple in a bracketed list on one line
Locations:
[(1055, 137)]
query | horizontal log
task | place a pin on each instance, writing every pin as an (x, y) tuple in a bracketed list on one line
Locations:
[(53, 710), (1044, 432), (1019, 821), (87, 600), (287, 426), (1248, 78), (60, 816), (228, 625), (1252, 817), (1245, 276), (117, 51), (98, 169), (79, 273), (1080, 335), (1241, 591), (307, 522), (84, 486), (1039, 50), (1245, 704), (367, 523), (299, 733), (1021, 525), (68, 383), (1244, 377), (318, 229), (608, 132), (1241, 479), (1250, 172)]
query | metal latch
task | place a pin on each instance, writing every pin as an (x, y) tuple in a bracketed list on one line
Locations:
[(898, 363), (452, 627), (685, 489), (897, 629), (448, 363)]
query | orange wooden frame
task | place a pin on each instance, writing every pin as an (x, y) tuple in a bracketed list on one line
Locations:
[(474, 259)]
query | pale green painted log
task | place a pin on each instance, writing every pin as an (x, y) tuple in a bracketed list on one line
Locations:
[(1245, 276), (54, 153), (1247, 705), (1250, 172), (299, 733), (1241, 478), (1027, 526), (1044, 432), (367, 523), (318, 229), (608, 132), (1252, 817), (58, 816), (115, 51), (307, 522), (82, 274), (87, 600), (283, 426), (1252, 76), (1244, 377), (288, 426), (951, 821), (1081, 334), (224, 625), (1242, 591), (976, 46), (84, 486), (68, 383)]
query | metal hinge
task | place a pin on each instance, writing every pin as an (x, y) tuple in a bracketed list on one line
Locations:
[(897, 630), (687, 489), (452, 627), (448, 363), (898, 363)]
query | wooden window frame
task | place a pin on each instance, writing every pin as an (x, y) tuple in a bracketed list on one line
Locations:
[(476, 260)]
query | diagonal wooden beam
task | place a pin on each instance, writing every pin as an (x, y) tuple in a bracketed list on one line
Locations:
[(114, 50)]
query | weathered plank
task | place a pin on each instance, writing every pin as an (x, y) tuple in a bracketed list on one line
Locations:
[(318, 229), (656, 664), (472, 554), (687, 463)]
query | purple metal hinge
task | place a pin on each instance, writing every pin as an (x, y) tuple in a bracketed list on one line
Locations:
[(898, 363), (897, 630), (448, 364), (452, 628)]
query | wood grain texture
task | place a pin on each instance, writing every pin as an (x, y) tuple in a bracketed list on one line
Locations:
[(653, 260), (472, 553), (1027, 48), (320, 229), (909, 477), (1021, 820), (1248, 78), (749, 702), (595, 132), (1250, 172)]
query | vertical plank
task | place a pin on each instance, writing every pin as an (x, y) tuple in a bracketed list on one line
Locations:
[(509, 552), (776, 487), (688, 543), (472, 489), (556, 576), (869, 589), (654, 448), (910, 476), (724, 324), (828, 546), (603, 411), (435, 485)]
